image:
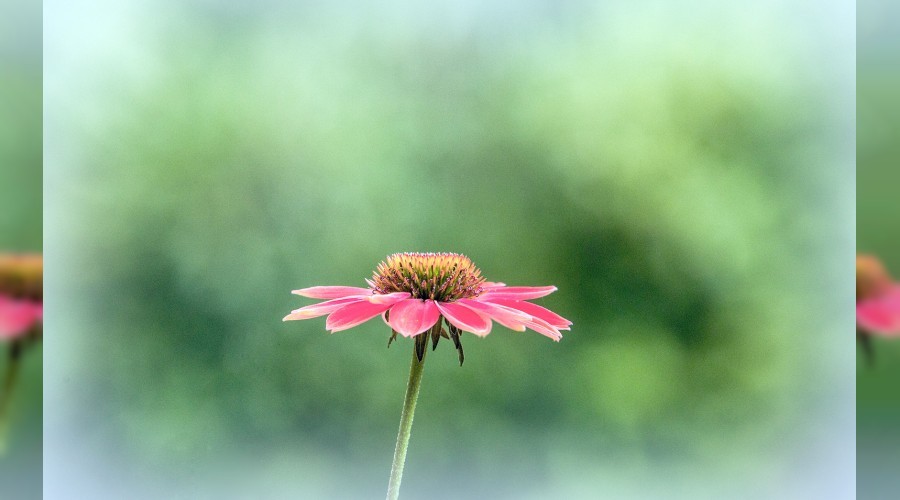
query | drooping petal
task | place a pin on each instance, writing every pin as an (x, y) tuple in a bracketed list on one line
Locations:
[(17, 317), (332, 292), (880, 315), (492, 284), (354, 314), (465, 318), (518, 292), (320, 309), (510, 318), (535, 310), (411, 317), (544, 329)]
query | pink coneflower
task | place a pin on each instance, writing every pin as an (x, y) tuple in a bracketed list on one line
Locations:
[(21, 315), (21, 294), (415, 294), (413, 291), (18, 317), (877, 299)]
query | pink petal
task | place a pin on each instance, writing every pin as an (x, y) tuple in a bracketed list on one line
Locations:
[(516, 319), (465, 318), (332, 292), (411, 317), (880, 315), (492, 284), (510, 318), (518, 292), (354, 314), (544, 328), (384, 315), (320, 309), (17, 317), (535, 310), (388, 298)]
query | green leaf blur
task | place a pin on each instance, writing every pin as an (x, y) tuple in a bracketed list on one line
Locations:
[(670, 177)]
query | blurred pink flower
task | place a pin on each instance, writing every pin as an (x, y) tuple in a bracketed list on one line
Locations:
[(880, 315), (877, 299), (413, 291), (18, 316)]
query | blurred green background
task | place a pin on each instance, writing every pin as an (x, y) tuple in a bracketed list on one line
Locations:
[(21, 225), (679, 170), (878, 233)]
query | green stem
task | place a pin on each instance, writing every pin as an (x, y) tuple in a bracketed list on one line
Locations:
[(406, 420), (9, 381)]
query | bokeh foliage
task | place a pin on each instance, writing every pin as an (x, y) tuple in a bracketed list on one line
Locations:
[(652, 176)]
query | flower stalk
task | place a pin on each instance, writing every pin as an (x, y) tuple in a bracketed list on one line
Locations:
[(6, 392), (406, 417), (415, 293)]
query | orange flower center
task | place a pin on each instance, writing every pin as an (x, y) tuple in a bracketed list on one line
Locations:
[(22, 275), (443, 277), (872, 279)]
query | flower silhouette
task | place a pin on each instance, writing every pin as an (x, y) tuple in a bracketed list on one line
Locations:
[(18, 317), (21, 295), (414, 291), (877, 299)]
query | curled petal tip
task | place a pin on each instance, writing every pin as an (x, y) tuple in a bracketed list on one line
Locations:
[(297, 316), (536, 311)]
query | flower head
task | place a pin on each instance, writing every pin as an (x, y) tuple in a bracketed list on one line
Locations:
[(21, 295), (414, 292), (877, 298), (18, 317)]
